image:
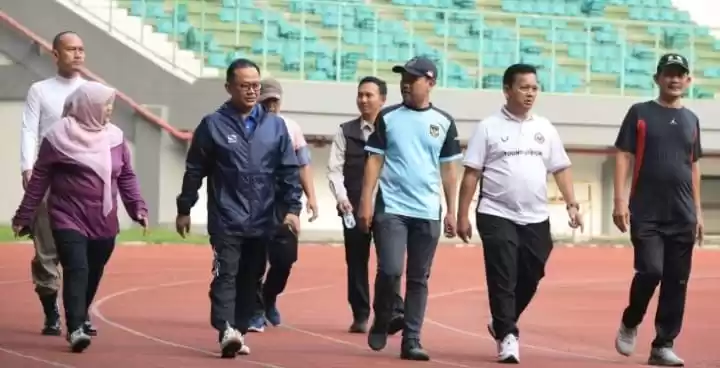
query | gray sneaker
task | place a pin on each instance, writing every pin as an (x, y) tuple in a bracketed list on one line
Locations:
[(665, 357), (79, 340), (625, 340)]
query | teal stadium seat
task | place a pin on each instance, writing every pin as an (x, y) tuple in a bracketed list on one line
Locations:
[(587, 50)]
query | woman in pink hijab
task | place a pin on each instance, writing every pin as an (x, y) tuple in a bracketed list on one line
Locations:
[(85, 162)]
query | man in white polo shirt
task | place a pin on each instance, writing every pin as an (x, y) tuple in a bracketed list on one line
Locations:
[(43, 107), (511, 153)]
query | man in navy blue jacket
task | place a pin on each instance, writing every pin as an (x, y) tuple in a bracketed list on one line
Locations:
[(247, 156)]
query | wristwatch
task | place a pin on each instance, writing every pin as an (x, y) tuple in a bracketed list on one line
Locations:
[(573, 205)]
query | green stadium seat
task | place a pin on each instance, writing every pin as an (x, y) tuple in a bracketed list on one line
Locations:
[(511, 7), (166, 26), (241, 15), (147, 10), (217, 60)]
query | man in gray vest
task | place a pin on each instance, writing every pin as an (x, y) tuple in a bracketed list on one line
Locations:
[(346, 167)]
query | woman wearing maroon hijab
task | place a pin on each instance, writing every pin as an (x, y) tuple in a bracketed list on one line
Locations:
[(85, 162)]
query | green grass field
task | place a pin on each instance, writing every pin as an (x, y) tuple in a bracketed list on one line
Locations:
[(154, 236)]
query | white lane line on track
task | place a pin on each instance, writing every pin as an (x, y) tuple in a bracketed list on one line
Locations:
[(117, 273), (545, 349), (34, 358), (96, 311)]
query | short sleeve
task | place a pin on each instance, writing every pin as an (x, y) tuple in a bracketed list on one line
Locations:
[(557, 157), (627, 137), (377, 142), (697, 152), (476, 152), (298, 141), (450, 150), (296, 135)]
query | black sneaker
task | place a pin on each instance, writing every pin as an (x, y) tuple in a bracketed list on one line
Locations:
[(358, 326), (397, 324), (89, 328), (52, 326), (52, 315), (411, 349), (377, 338)]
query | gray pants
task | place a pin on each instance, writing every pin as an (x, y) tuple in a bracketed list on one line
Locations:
[(44, 266), (394, 235)]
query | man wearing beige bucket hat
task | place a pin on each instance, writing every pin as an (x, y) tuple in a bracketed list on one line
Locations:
[(284, 252)]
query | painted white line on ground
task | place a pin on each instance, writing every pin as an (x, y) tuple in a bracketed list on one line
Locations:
[(118, 273), (545, 349), (34, 358), (96, 311)]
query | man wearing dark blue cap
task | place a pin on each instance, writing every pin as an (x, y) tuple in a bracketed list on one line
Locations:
[(414, 145), (662, 210)]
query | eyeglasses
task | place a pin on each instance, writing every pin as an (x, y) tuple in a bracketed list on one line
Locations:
[(249, 86)]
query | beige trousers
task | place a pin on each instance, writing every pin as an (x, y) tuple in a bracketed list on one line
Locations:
[(45, 272)]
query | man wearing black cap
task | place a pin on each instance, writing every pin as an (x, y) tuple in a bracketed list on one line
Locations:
[(413, 145), (663, 213), (346, 167)]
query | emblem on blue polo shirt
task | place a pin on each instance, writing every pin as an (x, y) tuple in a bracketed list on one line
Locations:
[(434, 130)]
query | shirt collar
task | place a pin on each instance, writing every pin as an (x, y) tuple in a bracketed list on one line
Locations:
[(254, 114), (510, 116), (366, 125)]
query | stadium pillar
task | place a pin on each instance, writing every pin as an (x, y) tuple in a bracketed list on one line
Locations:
[(148, 161), (607, 173)]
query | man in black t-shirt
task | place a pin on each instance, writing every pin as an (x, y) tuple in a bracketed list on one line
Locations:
[(664, 214)]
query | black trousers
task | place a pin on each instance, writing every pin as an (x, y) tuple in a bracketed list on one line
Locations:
[(357, 257), (663, 255), (238, 263), (515, 258), (282, 253), (83, 262)]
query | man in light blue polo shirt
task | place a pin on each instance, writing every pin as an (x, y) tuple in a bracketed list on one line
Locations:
[(414, 145)]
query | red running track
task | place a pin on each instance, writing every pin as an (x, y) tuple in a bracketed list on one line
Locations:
[(153, 311)]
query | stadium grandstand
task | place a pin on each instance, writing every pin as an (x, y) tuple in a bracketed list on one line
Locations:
[(580, 46), (595, 58)]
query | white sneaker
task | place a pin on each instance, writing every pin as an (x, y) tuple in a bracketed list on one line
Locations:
[(665, 357), (79, 340), (244, 350), (509, 351), (625, 340), (231, 343)]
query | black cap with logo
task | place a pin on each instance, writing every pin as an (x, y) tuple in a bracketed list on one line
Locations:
[(673, 59), (418, 66)]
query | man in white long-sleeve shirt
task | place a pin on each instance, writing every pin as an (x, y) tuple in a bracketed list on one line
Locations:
[(43, 107)]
